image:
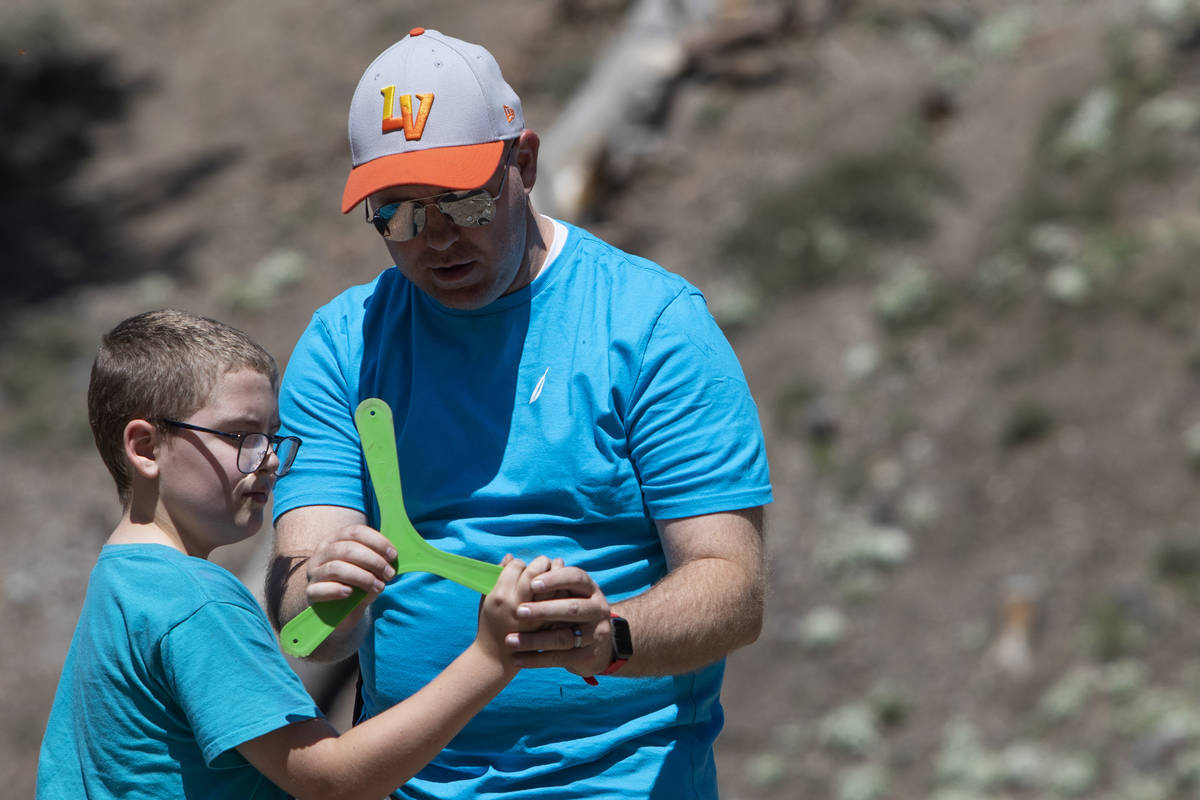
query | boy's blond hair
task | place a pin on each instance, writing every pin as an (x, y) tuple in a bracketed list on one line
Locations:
[(161, 365)]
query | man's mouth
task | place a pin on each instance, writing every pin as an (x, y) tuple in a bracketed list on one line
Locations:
[(452, 272)]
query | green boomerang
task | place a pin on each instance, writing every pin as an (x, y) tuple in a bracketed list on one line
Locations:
[(311, 626)]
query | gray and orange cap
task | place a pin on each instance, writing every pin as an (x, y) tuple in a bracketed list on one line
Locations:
[(431, 109)]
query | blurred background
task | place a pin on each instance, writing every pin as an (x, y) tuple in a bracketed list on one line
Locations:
[(953, 243)]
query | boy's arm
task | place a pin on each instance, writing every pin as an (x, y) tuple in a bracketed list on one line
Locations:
[(309, 759), (331, 548)]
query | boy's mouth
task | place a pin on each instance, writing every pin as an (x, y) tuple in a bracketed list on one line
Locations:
[(259, 495)]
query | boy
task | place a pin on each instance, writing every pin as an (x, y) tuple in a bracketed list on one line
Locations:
[(174, 685)]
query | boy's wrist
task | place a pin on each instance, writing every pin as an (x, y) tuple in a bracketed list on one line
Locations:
[(492, 657)]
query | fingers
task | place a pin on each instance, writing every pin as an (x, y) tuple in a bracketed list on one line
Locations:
[(513, 584), (536, 568), (562, 617), (510, 577), (355, 557), (560, 638), (565, 624), (583, 649), (565, 594), (556, 563), (517, 575), (569, 580)]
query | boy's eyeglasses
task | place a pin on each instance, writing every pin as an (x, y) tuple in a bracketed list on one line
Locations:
[(253, 448), (403, 221)]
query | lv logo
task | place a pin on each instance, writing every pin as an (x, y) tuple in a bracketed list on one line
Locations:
[(413, 129)]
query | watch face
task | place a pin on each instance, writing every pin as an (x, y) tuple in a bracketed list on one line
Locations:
[(622, 641)]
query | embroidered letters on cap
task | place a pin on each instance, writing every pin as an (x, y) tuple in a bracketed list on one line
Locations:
[(412, 129)]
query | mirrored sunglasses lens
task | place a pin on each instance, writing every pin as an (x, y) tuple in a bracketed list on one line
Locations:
[(473, 210), (380, 219), (403, 222), (253, 452)]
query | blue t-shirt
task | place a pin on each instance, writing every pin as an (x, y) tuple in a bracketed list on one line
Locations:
[(561, 419), (172, 666)]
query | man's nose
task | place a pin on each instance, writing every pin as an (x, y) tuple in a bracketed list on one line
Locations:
[(440, 231)]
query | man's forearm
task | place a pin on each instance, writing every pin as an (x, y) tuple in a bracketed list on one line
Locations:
[(284, 587), (699, 613), (285, 595), (709, 604), (297, 535)]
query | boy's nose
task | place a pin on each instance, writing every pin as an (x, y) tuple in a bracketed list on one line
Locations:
[(271, 463)]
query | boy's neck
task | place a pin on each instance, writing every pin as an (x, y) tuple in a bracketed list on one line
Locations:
[(146, 521), (134, 530)]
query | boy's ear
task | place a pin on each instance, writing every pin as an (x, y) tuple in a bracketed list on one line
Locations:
[(140, 442)]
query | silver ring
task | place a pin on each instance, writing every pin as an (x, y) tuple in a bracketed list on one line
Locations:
[(578, 634)]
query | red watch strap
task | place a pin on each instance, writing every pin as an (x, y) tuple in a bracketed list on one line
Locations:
[(616, 664)]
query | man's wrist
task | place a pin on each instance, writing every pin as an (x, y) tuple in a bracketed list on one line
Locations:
[(622, 644), (622, 647)]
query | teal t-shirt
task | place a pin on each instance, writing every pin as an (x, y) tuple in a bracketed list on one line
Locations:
[(562, 419), (173, 664)]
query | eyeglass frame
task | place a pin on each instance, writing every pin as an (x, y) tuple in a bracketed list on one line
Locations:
[(421, 203), (273, 442)]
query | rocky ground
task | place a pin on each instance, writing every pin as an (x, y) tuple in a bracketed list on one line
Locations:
[(954, 245)]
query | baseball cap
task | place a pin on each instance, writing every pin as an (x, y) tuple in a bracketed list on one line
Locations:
[(430, 109)]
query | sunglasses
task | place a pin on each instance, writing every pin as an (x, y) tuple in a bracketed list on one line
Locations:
[(253, 448), (404, 221)]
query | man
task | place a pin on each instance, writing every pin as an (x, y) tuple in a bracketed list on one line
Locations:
[(551, 394)]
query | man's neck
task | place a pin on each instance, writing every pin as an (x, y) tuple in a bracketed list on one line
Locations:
[(540, 238)]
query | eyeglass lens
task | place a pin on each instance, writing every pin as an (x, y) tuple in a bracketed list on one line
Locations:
[(255, 447)]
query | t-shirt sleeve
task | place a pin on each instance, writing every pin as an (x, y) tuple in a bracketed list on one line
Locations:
[(226, 672), (315, 404), (693, 427)]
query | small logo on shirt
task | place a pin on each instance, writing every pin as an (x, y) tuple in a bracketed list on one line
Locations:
[(537, 390)]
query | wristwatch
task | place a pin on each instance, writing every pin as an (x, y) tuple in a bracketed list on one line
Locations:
[(622, 644)]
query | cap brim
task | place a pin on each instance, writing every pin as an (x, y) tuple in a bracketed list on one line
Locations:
[(466, 167)]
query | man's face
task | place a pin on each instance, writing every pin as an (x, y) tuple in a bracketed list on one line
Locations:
[(460, 266)]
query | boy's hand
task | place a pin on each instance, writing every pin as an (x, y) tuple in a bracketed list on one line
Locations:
[(353, 557), (498, 610)]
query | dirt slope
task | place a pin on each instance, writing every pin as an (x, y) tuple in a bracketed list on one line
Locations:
[(952, 244)]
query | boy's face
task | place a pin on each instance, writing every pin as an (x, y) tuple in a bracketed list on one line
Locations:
[(202, 495)]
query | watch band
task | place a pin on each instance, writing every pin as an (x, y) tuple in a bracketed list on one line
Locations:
[(616, 664), (621, 652)]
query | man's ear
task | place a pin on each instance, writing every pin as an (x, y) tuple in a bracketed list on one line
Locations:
[(141, 442), (527, 146)]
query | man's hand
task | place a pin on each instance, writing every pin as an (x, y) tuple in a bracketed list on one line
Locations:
[(709, 604), (565, 600), (353, 557), (298, 576)]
